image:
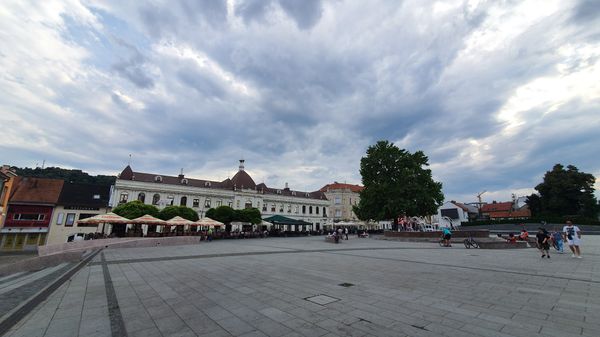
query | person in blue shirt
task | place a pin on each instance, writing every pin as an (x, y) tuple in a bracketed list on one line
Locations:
[(447, 236), (558, 240)]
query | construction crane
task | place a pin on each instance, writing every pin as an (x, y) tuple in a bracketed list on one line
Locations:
[(479, 203)]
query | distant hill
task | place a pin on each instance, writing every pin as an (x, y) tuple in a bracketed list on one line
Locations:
[(74, 176)]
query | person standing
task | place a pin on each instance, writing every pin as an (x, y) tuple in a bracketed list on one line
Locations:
[(572, 235), (558, 240), (346, 232), (543, 242)]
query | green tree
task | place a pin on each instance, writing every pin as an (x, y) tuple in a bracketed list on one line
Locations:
[(224, 214), (565, 192), (251, 215), (182, 211), (74, 176), (135, 209), (396, 183)]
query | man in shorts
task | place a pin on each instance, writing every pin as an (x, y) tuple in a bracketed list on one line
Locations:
[(572, 235)]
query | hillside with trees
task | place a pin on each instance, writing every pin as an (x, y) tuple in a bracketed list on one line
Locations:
[(74, 176)]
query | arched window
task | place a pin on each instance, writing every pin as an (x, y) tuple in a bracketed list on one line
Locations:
[(183, 201), (207, 184), (317, 209), (155, 199), (309, 209), (303, 209), (184, 181), (207, 203), (158, 179), (142, 197)]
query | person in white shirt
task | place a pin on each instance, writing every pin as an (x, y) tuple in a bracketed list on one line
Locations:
[(572, 235)]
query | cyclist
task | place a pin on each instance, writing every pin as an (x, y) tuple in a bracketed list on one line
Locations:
[(447, 234)]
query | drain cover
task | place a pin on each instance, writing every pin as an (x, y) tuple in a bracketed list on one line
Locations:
[(322, 299), (346, 284)]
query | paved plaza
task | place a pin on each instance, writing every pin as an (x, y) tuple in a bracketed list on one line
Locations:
[(307, 287)]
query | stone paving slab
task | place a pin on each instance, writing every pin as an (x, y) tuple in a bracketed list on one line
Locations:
[(260, 287)]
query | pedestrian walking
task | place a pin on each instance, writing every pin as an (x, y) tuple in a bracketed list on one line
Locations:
[(346, 232), (572, 235), (558, 241), (543, 242)]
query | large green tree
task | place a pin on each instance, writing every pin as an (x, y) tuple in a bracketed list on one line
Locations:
[(226, 214), (396, 182), (135, 209), (565, 192), (182, 211)]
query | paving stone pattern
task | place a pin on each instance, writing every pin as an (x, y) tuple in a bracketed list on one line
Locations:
[(399, 289)]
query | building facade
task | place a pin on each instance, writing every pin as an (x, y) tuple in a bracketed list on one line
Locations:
[(7, 177), (238, 192), (77, 202), (30, 208), (342, 197)]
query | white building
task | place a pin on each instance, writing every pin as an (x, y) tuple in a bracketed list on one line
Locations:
[(456, 212), (238, 192)]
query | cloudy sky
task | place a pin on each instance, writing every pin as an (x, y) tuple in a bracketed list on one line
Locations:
[(494, 92)]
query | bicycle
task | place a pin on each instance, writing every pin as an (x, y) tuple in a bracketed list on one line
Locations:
[(470, 242)]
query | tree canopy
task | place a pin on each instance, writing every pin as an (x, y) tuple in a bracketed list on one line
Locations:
[(396, 183), (182, 211), (73, 176), (135, 209), (565, 192), (226, 214)]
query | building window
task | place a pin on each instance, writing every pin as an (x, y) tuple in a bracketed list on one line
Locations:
[(237, 204), (96, 197), (289, 208), (196, 203), (230, 203), (207, 184), (158, 179), (280, 208), (123, 198), (207, 203), (219, 202), (324, 212), (317, 209), (170, 200), (309, 209), (303, 209), (278, 191), (337, 201), (264, 208), (155, 199), (273, 208), (60, 218), (248, 203), (183, 201), (338, 213), (296, 209), (29, 217), (142, 197), (184, 181), (294, 193), (70, 219)]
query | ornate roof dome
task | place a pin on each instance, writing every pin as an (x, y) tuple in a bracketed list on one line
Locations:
[(242, 179)]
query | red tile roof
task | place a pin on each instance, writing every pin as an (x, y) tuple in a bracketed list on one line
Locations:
[(495, 207), (241, 178), (28, 190), (339, 186)]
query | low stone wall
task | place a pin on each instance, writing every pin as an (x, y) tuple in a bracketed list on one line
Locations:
[(40, 262), (479, 233), (502, 244), (81, 246)]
